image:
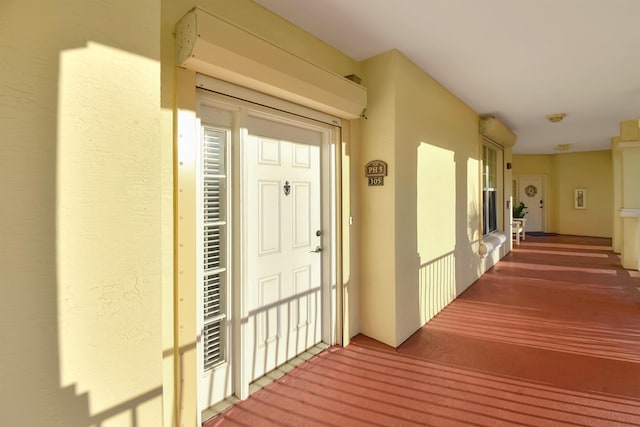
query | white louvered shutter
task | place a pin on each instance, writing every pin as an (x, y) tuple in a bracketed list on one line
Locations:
[(214, 292)]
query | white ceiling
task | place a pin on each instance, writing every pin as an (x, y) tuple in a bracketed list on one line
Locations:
[(519, 60)]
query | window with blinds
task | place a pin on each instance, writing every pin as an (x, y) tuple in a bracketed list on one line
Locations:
[(489, 190), (214, 237)]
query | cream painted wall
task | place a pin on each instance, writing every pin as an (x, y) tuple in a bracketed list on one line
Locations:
[(592, 171), (565, 172), (83, 214), (420, 231), (630, 165), (377, 204), (437, 197)]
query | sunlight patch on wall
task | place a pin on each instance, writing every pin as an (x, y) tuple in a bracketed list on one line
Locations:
[(436, 201), (108, 230), (436, 216)]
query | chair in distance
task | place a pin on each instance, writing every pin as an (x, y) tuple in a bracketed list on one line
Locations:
[(517, 231)]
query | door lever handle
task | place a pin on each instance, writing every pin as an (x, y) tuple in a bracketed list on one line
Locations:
[(317, 250)]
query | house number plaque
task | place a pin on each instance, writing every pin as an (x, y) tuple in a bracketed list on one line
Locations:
[(375, 171)]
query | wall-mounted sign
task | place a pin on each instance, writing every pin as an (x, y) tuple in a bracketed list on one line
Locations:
[(375, 171), (376, 180)]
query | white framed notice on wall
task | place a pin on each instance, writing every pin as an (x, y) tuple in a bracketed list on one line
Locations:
[(580, 198)]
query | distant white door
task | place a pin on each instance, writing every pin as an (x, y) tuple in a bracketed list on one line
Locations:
[(282, 217), (531, 192)]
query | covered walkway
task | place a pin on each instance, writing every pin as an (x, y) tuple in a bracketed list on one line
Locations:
[(550, 336)]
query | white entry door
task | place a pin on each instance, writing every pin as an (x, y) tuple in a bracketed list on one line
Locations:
[(530, 191), (283, 253)]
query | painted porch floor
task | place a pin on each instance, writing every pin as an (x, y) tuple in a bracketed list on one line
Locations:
[(548, 337)]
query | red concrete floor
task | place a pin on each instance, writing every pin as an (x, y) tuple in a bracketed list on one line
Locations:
[(548, 337)]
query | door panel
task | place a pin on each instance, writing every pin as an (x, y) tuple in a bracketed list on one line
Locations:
[(530, 191), (283, 269), (268, 217), (301, 214), (264, 291)]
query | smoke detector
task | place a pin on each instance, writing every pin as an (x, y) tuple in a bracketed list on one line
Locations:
[(555, 118)]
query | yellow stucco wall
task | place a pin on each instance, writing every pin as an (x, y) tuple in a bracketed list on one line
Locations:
[(84, 222), (377, 244), (630, 165), (592, 171), (437, 197), (565, 172), (420, 231)]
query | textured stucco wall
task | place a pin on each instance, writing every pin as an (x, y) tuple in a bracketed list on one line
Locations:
[(593, 171), (437, 197), (420, 232), (81, 214), (377, 250)]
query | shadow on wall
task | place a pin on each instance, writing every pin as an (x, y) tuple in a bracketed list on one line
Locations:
[(437, 285), (80, 264)]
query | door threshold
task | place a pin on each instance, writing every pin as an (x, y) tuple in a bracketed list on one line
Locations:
[(218, 408)]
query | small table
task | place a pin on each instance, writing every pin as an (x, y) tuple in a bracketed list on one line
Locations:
[(523, 221)]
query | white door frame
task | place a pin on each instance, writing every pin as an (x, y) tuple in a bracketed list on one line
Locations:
[(543, 195), (327, 296), (331, 215)]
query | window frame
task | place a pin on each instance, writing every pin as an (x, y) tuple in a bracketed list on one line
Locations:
[(492, 182)]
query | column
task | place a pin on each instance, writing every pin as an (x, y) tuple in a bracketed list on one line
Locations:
[(629, 151)]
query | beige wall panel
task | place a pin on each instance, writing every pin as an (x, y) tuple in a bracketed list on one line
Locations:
[(437, 197), (377, 243), (592, 171), (631, 177), (533, 164), (83, 261), (420, 232), (630, 130)]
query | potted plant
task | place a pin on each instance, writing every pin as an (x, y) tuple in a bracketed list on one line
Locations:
[(520, 211)]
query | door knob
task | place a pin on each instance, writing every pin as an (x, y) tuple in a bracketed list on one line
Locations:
[(317, 250)]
